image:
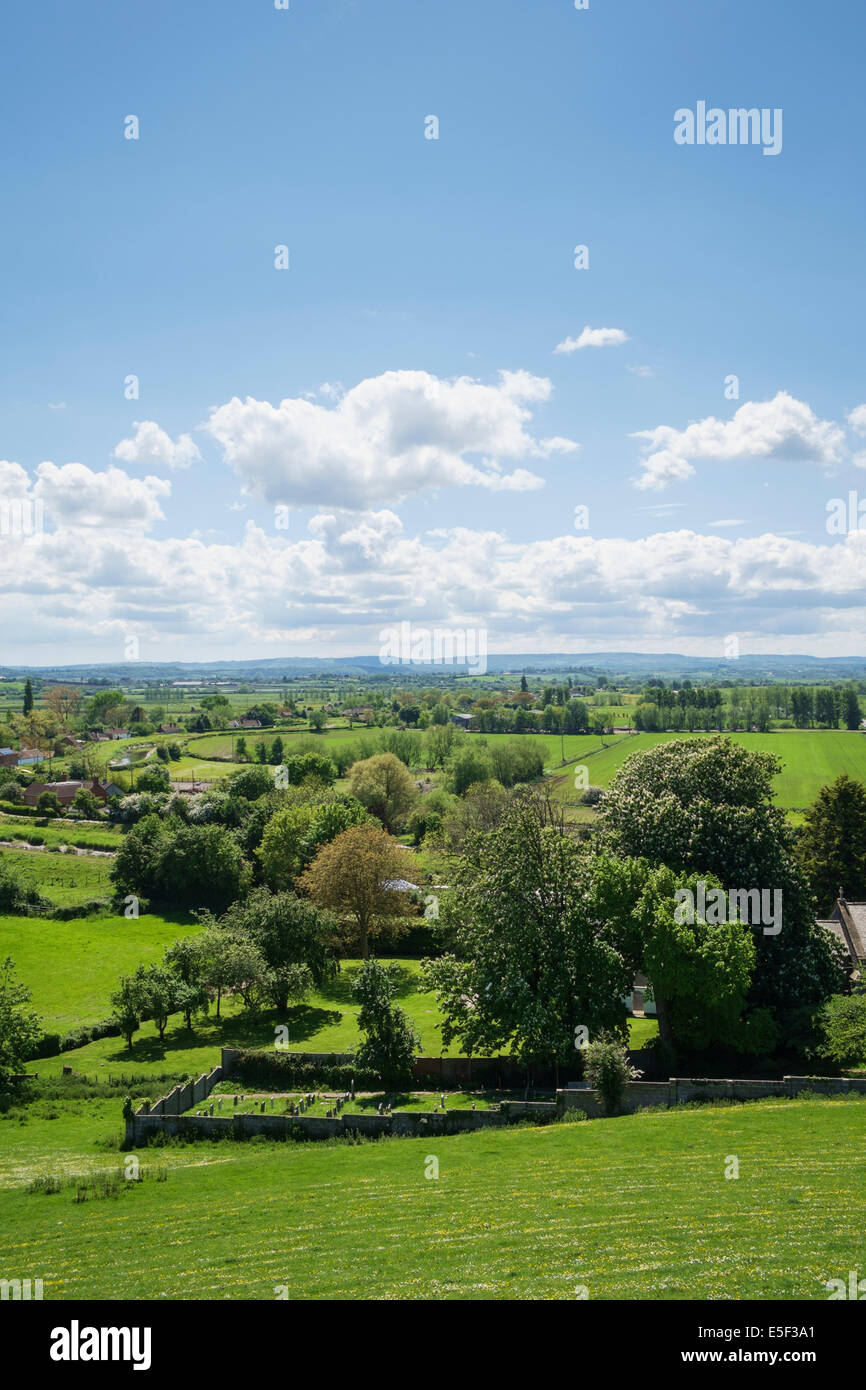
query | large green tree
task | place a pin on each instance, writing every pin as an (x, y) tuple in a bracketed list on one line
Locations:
[(390, 1040), (531, 962), (832, 843), (295, 938), (705, 805), (700, 968), (20, 1028)]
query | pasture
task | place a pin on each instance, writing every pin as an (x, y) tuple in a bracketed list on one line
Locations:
[(64, 879), (810, 758), (630, 1208), (73, 967)]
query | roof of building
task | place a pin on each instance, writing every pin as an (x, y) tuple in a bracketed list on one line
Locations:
[(848, 925)]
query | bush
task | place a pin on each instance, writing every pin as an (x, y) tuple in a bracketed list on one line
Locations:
[(842, 1024), (295, 1071), (606, 1068)]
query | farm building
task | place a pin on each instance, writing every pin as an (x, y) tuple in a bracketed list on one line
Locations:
[(64, 791)]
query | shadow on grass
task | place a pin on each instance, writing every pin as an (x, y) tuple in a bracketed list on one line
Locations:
[(239, 1030), (339, 990)]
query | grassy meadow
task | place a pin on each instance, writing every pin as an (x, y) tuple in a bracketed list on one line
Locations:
[(630, 1208), (811, 759), (64, 879), (73, 967)]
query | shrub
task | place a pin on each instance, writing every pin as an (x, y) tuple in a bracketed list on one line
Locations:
[(606, 1068)]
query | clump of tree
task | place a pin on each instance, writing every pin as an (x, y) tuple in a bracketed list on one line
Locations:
[(705, 806), (188, 865), (292, 835)]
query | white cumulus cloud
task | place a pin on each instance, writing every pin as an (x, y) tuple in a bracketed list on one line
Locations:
[(386, 438), (593, 337), (782, 428), (152, 446), (74, 495)]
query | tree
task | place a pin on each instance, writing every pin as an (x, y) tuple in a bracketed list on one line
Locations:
[(608, 1071), (531, 961), (832, 843), (294, 937), (85, 802), (228, 962), (183, 960), (705, 805), (310, 766), (63, 701), (351, 876), (700, 968), (153, 779), (842, 1025), (384, 785), (469, 766), (850, 708), (28, 696), (14, 894), (390, 1041), (48, 804), (20, 1029), (523, 685), (318, 720), (129, 1002), (164, 994)]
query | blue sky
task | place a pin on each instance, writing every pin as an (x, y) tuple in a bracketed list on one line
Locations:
[(419, 483)]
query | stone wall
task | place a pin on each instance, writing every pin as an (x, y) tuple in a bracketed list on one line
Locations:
[(167, 1115), (241, 1126)]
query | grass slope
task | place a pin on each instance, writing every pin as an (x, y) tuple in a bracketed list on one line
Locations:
[(633, 1208)]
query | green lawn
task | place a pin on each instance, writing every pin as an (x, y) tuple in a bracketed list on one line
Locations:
[(65, 879), (73, 967), (325, 1023), (631, 1208)]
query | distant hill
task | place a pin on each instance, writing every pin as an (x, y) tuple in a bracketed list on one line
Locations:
[(640, 664)]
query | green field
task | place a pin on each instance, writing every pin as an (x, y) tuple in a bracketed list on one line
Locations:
[(65, 879), (61, 832), (72, 967), (631, 1208), (811, 759)]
